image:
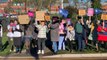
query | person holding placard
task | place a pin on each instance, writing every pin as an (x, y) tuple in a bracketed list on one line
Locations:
[(28, 38), (80, 33), (42, 29)]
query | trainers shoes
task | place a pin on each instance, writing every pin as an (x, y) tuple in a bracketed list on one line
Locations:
[(39, 51), (42, 51)]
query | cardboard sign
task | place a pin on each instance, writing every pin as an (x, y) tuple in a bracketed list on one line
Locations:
[(104, 16), (40, 15), (81, 12), (47, 17), (23, 19)]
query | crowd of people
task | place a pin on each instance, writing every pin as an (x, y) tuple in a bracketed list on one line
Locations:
[(63, 32)]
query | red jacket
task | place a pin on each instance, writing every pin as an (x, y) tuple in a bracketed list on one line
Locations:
[(102, 36)]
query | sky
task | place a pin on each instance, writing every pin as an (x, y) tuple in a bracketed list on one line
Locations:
[(104, 0), (88, 0)]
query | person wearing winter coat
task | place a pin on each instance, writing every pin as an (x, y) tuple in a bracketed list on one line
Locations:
[(70, 37), (54, 29)]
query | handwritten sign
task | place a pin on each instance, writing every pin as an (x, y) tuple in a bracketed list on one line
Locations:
[(23, 19), (40, 15), (81, 12), (104, 16)]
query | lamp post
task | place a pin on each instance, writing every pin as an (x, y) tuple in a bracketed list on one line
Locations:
[(62, 5)]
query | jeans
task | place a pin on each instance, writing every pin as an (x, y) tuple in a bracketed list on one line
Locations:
[(81, 42), (41, 43), (61, 43), (55, 46)]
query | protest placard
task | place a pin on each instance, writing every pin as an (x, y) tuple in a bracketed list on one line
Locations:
[(40, 15), (23, 19), (104, 16), (82, 12)]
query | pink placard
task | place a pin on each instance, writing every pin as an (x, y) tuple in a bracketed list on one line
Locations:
[(31, 14), (90, 12)]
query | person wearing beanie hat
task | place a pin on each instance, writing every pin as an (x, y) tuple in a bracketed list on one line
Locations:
[(54, 29)]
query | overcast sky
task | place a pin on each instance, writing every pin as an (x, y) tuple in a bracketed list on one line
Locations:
[(88, 0), (104, 0)]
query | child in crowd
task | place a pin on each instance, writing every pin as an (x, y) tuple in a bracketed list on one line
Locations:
[(70, 37), (42, 28)]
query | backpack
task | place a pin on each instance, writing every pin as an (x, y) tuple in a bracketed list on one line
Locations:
[(78, 28)]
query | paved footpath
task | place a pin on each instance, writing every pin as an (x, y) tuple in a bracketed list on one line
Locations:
[(99, 56)]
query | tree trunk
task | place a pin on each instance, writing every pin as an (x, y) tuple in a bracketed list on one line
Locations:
[(25, 6)]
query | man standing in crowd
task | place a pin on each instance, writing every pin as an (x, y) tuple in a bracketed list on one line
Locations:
[(79, 29)]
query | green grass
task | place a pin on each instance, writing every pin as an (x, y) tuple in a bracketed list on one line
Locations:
[(6, 51)]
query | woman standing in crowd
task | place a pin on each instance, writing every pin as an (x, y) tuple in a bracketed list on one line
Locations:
[(10, 34), (54, 29), (94, 26), (61, 35), (17, 36), (70, 36), (102, 32), (42, 28)]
